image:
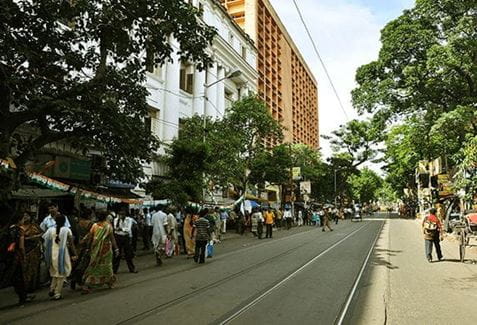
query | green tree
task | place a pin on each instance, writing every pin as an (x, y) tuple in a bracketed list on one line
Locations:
[(75, 71), (425, 78), (233, 152), (365, 185), (249, 125), (357, 140)]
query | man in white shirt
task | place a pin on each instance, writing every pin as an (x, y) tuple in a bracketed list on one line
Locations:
[(123, 234), (50, 220), (287, 215), (159, 234)]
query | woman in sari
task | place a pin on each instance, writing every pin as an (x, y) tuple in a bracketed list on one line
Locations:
[(58, 242), (83, 228), (100, 268), (188, 228), (31, 271)]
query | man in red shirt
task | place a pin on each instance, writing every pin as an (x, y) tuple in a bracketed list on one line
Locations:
[(432, 229)]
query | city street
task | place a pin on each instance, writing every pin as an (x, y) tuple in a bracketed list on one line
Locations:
[(303, 275)]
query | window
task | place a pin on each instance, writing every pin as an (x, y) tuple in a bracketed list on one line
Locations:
[(187, 78), (149, 120)]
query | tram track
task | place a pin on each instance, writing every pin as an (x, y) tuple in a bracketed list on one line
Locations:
[(201, 290)]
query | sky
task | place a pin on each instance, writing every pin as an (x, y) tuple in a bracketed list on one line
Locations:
[(347, 34)]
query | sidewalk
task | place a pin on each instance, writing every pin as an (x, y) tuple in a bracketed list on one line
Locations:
[(402, 287), (145, 263)]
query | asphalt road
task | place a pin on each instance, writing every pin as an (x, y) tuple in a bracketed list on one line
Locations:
[(308, 277)]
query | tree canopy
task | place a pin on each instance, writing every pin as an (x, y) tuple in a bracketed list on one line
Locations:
[(424, 80), (75, 71)]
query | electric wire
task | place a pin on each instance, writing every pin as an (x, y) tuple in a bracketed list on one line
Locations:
[(315, 47)]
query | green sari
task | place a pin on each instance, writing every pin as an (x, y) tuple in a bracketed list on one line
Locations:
[(100, 269)]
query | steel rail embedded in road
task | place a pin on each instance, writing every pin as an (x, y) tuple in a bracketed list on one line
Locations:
[(288, 277), (344, 310), (200, 290)]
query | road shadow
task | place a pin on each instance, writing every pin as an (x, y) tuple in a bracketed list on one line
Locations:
[(455, 260), (381, 258)]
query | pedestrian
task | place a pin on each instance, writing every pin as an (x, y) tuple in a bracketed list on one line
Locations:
[(31, 271), (278, 218), (287, 215), (101, 242), (326, 220), (432, 229), (300, 218), (180, 216), (123, 236), (135, 228), (316, 217), (257, 223), (159, 234), (50, 220), (147, 229), (172, 235), (189, 220), (201, 235), (269, 221), (217, 233), (58, 243), (84, 226), (12, 259), (224, 216)]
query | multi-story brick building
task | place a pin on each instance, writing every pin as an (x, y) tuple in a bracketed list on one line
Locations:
[(286, 83)]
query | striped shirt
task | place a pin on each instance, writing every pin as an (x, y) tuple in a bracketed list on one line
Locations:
[(202, 229)]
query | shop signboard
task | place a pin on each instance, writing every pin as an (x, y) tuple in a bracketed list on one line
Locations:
[(445, 185), (71, 168), (305, 187), (296, 173)]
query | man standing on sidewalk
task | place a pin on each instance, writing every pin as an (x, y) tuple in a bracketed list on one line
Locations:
[(159, 234), (432, 229), (287, 215), (201, 235), (123, 236), (269, 219)]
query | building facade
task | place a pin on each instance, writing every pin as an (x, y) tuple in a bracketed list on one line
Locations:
[(286, 83), (179, 90)]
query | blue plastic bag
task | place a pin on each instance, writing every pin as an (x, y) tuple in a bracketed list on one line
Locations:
[(210, 249)]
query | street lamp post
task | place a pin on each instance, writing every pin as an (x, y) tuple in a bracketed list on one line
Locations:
[(233, 74)]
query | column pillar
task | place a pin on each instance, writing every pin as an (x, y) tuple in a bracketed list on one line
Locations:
[(170, 112), (199, 80), (211, 92), (220, 94)]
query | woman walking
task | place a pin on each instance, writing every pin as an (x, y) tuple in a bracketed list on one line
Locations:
[(100, 268), (58, 241), (188, 229), (12, 259), (32, 233), (84, 226)]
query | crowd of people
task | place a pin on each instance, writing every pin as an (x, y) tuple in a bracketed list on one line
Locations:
[(85, 250)]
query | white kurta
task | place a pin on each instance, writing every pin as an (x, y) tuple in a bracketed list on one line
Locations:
[(159, 222)]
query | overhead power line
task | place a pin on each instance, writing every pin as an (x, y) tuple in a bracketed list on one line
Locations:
[(320, 59)]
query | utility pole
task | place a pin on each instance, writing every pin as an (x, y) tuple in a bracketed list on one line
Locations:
[(233, 74)]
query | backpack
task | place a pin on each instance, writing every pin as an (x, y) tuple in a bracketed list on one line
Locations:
[(429, 226)]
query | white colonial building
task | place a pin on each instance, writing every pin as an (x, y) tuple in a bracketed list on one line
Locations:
[(179, 90)]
